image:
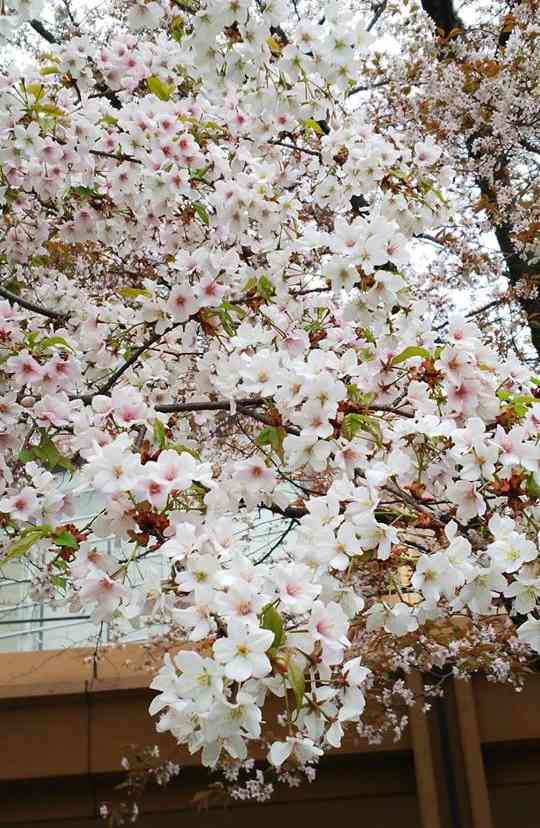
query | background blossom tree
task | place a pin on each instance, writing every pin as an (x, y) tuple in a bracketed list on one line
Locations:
[(465, 77)]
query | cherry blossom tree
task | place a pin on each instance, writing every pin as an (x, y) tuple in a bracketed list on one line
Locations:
[(465, 78), (210, 318)]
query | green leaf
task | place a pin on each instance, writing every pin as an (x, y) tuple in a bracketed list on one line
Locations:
[(272, 436), (201, 212), (367, 334), (49, 455), (65, 538), (438, 351), (438, 194), (250, 285), (84, 193), (197, 489), (355, 395), (408, 353), (179, 447), (25, 455), (13, 285), (133, 293), (372, 426), (187, 5), (353, 392), (524, 399), (518, 404), (311, 125), (52, 342), (49, 109), (159, 88), (297, 681), (35, 89), (533, 489), (265, 288), (160, 436), (177, 28), (272, 620), (226, 320), (353, 423), (399, 174), (230, 308), (198, 174), (25, 541)]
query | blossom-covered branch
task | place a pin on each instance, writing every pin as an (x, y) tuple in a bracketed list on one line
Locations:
[(313, 489)]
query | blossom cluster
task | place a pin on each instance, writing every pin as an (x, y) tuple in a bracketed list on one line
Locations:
[(206, 321)]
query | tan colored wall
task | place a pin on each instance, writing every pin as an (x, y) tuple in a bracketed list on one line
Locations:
[(64, 727)]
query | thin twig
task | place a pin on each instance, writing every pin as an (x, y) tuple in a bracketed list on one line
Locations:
[(279, 541), (296, 148), (267, 421), (367, 88), (475, 312), (115, 156), (115, 376)]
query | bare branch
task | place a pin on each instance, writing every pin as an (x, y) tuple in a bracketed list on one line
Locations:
[(209, 405), (294, 147), (279, 541), (267, 420), (477, 311), (115, 156), (115, 376), (32, 306), (378, 11), (38, 27), (367, 88)]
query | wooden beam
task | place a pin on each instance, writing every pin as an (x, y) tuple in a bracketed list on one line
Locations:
[(471, 747), (424, 758)]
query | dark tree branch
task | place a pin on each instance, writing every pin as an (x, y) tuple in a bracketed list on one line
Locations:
[(293, 512), (505, 32), (267, 420), (367, 88), (31, 306), (279, 541), (529, 145), (209, 405), (115, 376), (517, 267), (295, 148), (378, 10), (252, 402), (38, 27), (443, 14), (115, 156), (493, 304), (102, 89)]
